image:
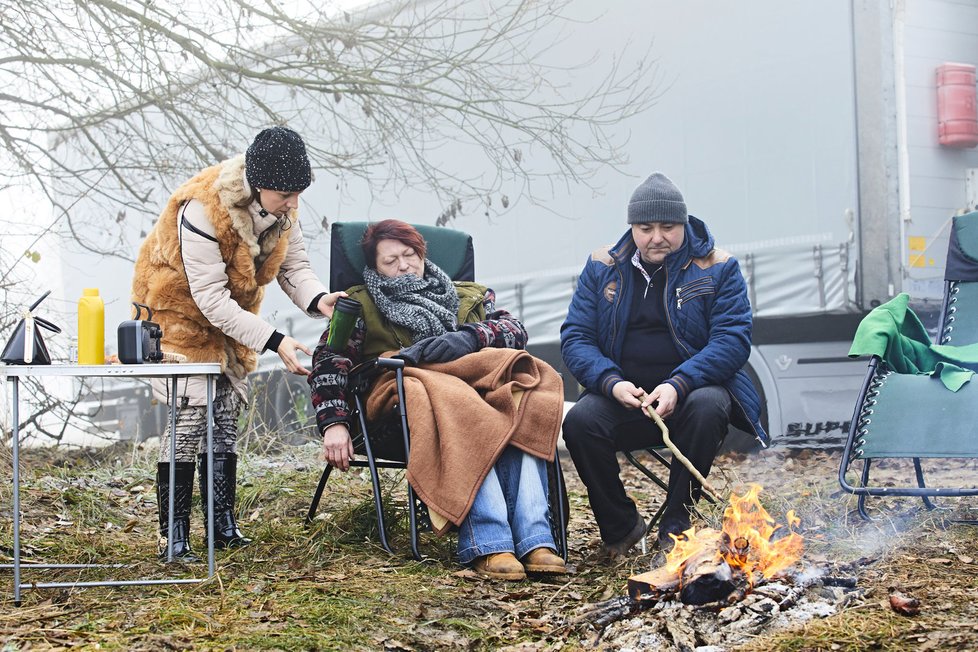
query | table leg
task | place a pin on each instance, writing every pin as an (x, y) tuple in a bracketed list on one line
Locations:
[(15, 445), (17, 564), (210, 477), (173, 469)]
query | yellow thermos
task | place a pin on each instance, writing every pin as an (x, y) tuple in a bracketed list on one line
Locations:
[(91, 328)]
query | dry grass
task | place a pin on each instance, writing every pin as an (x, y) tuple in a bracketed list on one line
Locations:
[(332, 587)]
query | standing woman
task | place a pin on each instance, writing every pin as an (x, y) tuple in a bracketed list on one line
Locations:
[(223, 236)]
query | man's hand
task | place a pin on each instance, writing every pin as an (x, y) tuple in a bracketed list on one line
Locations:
[(287, 351), (338, 446), (626, 393), (326, 303), (667, 397)]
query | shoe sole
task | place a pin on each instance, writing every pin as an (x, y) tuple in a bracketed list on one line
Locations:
[(496, 575), (225, 545), (549, 570), (180, 559)]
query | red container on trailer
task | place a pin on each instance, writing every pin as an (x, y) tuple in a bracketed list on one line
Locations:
[(957, 110)]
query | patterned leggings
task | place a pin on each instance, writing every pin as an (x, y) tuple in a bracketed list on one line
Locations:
[(192, 426)]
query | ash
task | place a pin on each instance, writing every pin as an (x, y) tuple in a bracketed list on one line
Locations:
[(667, 624)]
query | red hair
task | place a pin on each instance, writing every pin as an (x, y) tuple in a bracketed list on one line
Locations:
[(390, 230)]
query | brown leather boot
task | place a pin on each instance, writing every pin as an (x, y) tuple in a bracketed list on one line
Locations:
[(500, 566), (544, 560)]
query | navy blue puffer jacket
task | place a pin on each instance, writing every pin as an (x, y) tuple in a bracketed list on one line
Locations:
[(709, 318)]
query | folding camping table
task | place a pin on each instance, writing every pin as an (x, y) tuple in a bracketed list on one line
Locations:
[(173, 371)]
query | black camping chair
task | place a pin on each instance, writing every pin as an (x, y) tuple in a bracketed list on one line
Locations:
[(658, 455), (661, 461), (386, 444)]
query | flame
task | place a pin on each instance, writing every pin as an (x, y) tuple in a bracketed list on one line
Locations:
[(746, 540), (690, 546)]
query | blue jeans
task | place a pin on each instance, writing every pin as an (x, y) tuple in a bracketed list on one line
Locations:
[(511, 512)]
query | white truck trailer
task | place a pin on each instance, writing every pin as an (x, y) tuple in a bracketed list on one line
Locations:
[(805, 133)]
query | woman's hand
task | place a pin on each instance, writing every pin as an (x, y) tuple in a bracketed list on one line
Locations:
[(326, 303), (441, 348), (338, 446), (450, 346), (287, 351)]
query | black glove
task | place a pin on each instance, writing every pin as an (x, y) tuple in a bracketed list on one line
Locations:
[(443, 348), (450, 346), (413, 354)]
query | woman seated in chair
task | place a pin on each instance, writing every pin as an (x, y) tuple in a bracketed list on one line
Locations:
[(477, 460)]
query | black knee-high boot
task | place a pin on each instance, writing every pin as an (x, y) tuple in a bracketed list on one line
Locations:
[(183, 490), (226, 532)]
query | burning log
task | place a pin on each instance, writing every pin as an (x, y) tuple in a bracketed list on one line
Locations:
[(705, 574), (653, 585), (709, 581), (710, 566), (698, 570)]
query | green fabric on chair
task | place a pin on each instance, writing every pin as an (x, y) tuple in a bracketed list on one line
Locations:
[(904, 409), (965, 305), (966, 227), (451, 250), (893, 332), (914, 416)]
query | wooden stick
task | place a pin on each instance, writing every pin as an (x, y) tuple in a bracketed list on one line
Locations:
[(707, 487)]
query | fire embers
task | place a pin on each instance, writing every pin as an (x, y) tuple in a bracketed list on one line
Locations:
[(707, 565)]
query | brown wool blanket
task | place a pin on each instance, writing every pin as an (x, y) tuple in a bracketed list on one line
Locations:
[(462, 414)]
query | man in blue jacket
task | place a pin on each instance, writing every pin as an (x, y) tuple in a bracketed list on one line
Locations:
[(661, 318)]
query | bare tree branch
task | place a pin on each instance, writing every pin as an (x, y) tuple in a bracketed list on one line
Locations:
[(108, 103)]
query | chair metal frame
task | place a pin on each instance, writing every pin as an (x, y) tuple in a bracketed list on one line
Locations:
[(361, 375), (862, 417), (656, 453)]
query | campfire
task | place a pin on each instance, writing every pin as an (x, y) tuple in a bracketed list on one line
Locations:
[(707, 565)]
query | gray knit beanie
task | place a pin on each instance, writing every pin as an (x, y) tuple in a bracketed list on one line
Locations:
[(657, 199), (277, 160)]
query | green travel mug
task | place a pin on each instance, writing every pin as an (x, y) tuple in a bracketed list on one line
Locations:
[(344, 318)]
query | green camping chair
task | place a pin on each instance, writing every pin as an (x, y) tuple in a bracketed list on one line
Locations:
[(386, 444), (912, 416)]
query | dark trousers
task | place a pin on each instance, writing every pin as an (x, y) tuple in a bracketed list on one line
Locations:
[(597, 427)]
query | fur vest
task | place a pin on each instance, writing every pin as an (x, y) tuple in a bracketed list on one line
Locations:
[(161, 283)]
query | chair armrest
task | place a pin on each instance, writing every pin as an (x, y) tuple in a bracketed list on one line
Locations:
[(386, 363), (364, 373)]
